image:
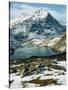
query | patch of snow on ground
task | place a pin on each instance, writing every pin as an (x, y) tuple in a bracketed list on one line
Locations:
[(61, 79), (17, 81), (61, 63)]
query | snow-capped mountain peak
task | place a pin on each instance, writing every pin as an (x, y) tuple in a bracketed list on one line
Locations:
[(39, 25), (40, 13)]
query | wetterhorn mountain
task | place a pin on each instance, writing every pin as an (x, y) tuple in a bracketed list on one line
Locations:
[(40, 25)]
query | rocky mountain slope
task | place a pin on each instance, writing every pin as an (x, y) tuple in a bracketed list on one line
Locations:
[(58, 43)]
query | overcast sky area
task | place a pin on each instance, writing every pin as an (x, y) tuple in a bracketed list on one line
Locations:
[(18, 8)]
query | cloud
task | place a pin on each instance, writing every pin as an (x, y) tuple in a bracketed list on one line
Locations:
[(24, 6), (20, 5)]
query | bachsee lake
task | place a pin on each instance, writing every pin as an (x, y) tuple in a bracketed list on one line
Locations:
[(26, 52)]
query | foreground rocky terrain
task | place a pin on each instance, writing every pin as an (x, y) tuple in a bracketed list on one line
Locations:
[(38, 71)]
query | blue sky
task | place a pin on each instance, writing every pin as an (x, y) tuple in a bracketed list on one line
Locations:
[(42, 5), (58, 11)]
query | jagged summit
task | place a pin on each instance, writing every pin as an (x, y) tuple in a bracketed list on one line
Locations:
[(36, 13), (41, 13)]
